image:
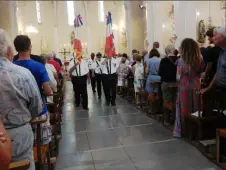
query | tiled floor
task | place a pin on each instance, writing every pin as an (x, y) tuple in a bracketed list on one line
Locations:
[(120, 138)]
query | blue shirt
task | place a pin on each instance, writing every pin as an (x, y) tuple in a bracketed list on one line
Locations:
[(221, 69), (40, 74)]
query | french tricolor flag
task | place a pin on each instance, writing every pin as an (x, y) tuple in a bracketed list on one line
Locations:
[(109, 45)]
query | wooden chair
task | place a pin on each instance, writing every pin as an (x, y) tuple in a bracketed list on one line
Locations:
[(155, 101), (219, 133), (41, 152), (202, 127), (20, 165), (170, 107)]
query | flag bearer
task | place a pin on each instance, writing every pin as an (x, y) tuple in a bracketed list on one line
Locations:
[(109, 79), (79, 71), (97, 72)]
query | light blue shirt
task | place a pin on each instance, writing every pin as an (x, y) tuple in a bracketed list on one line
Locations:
[(20, 96)]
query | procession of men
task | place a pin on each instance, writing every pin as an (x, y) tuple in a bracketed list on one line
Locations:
[(97, 71)]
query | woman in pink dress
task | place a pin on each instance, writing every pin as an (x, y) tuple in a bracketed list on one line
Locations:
[(189, 68)]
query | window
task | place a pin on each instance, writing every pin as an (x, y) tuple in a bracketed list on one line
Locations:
[(38, 12), (70, 12), (101, 11)]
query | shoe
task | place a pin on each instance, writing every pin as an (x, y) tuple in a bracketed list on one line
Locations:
[(94, 91), (99, 97), (107, 103), (77, 105), (85, 108)]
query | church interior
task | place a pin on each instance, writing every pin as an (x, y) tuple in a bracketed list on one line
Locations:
[(121, 85)]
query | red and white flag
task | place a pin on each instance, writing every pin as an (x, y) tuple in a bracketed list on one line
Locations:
[(109, 45)]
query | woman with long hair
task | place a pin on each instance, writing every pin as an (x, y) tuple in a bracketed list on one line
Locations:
[(189, 68)]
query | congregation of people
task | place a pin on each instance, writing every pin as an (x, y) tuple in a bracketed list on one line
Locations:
[(29, 81)]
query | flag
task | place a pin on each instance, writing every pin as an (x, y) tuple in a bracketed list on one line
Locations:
[(109, 44), (77, 43), (78, 50), (78, 21)]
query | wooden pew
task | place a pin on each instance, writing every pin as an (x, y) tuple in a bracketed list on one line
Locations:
[(20, 165), (219, 133), (155, 102), (170, 107), (41, 152)]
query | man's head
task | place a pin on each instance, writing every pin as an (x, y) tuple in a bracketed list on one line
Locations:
[(169, 50), (22, 44), (219, 37), (92, 56), (156, 45), (209, 34), (6, 49), (123, 60), (144, 52), (54, 54), (98, 55), (134, 51), (44, 57), (124, 55), (137, 57)]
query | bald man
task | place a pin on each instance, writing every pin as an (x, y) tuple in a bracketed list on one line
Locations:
[(156, 46)]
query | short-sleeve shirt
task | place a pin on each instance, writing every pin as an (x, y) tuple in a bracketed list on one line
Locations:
[(58, 60), (110, 66), (41, 76), (81, 69), (212, 56), (56, 65), (20, 96), (221, 70)]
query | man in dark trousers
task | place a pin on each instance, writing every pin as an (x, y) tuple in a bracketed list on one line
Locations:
[(109, 79), (79, 72), (97, 72), (93, 78)]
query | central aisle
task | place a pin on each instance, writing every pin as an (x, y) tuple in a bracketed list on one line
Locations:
[(120, 138)]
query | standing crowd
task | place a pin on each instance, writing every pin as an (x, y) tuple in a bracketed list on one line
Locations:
[(27, 81)]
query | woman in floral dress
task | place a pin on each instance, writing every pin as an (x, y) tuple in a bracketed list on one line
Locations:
[(189, 68)]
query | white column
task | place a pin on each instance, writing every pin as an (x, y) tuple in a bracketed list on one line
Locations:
[(155, 21), (8, 19), (87, 27), (55, 28), (128, 26), (185, 20)]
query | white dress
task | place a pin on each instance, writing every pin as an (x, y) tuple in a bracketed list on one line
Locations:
[(138, 77)]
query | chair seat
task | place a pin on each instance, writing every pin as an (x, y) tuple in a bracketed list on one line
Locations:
[(168, 106), (221, 132), (44, 150), (20, 165)]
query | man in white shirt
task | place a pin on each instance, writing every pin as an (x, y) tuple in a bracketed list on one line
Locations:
[(109, 66), (79, 73), (97, 72), (93, 78)]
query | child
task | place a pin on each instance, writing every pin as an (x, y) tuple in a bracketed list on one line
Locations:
[(138, 70), (122, 71)]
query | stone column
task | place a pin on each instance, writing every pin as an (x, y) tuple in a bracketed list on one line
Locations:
[(155, 19), (55, 28), (185, 20), (128, 26), (8, 19)]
